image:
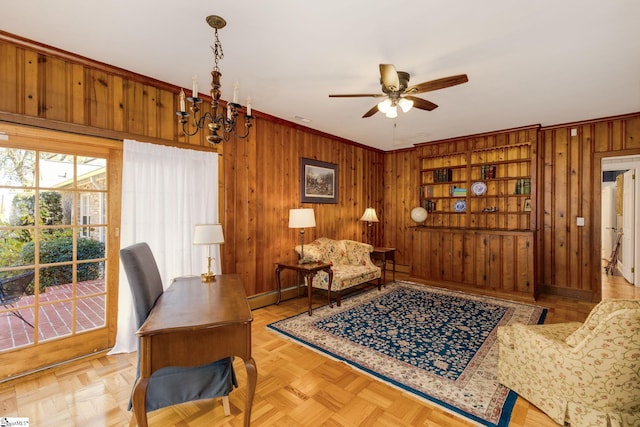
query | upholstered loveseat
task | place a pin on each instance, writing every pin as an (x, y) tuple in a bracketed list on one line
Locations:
[(350, 263), (580, 374)]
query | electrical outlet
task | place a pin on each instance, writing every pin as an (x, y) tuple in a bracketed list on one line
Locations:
[(580, 221)]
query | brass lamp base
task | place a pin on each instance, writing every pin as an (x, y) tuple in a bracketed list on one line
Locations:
[(208, 277)]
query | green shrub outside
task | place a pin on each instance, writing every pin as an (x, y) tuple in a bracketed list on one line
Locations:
[(60, 249)]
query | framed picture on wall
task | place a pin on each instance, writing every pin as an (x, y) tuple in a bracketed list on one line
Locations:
[(318, 181)]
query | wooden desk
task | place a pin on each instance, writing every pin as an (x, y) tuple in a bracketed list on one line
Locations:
[(308, 271), (195, 323), (384, 255)]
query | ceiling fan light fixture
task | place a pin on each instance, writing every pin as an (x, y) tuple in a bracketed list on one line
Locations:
[(405, 104), (392, 113), (385, 106)]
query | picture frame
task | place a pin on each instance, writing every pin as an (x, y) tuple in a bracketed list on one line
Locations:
[(318, 181), (526, 205)]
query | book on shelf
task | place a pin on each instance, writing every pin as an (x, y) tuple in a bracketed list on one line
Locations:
[(429, 205), (457, 191), (442, 175), (523, 186), (426, 191)]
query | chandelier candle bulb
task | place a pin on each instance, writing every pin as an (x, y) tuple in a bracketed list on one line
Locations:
[(183, 108), (248, 105), (236, 87), (194, 90)]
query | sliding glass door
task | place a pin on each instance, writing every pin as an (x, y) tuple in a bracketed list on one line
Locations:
[(55, 222)]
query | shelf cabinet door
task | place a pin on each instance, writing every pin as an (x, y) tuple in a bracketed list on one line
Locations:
[(501, 261)]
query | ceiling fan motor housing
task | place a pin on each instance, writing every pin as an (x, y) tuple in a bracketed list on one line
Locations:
[(403, 78)]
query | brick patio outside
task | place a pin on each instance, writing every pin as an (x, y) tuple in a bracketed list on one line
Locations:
[(55, 317)]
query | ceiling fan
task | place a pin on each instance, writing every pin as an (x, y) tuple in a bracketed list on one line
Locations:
[(398, 93)]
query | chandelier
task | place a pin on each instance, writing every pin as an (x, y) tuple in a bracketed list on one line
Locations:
[(221, 126)]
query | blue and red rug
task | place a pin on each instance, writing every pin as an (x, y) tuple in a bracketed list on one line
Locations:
[(440, 345)]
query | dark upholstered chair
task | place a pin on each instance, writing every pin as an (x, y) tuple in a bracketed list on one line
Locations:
[(171, 385), (12, 289)]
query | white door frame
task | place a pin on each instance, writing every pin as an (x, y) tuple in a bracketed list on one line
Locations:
[(626, 262)]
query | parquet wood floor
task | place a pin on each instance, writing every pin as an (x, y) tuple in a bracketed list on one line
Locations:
[(296, 386)]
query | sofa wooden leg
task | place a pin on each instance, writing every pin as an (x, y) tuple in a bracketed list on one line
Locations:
[(338, 299)]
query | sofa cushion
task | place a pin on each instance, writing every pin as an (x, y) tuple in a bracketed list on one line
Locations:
[(345, 276)]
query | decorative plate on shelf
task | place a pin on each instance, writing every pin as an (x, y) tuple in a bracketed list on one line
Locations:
[(460, 206), (478, 188)]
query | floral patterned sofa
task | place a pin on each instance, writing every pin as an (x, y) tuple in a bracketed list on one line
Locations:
[(350, 262), (580, 374)]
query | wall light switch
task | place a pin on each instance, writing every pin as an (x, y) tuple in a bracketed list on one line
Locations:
[(580, 221), (574, 132)]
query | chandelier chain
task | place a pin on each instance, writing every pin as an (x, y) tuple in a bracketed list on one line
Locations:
[(218, 53)]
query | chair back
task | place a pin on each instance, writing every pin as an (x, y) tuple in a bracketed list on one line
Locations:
[(144, 278), (12, 288)]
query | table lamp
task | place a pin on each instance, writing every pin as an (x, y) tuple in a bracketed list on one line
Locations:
[(302, 218), (208, 234), (370, 217)]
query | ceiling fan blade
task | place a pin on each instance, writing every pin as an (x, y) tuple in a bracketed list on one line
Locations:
[(389, 77), (357, 95), (438, 84), (371, 112), (422, 104)]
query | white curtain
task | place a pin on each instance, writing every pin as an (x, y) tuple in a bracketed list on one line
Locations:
[(165, 192)]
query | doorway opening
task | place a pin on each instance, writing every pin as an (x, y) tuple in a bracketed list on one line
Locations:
[(620, 206)]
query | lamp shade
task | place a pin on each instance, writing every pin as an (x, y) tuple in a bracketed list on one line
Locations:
[(405, 104), (208, 234), (369, 215), (302, 218)]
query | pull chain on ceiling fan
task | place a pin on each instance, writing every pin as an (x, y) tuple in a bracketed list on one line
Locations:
[(398, 93)]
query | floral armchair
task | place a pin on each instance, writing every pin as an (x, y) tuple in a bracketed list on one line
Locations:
[(580, 374), (350, 262)]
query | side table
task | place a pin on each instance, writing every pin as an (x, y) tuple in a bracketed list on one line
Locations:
[(384, 255), (308, 271)]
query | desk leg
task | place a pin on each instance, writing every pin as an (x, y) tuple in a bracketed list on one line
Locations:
[(252, 380), (139, 401), (279, 285)]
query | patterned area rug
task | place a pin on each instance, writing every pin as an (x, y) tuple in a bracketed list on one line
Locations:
[(437, 344)]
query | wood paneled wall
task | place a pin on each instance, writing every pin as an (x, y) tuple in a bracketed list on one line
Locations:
[(571, 176), (259, 182), (45, 87), (72, 93), (568, 185)]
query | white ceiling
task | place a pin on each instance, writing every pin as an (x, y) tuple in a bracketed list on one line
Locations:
[(528, 61)]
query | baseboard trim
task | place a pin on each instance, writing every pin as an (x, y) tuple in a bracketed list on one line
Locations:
[(576, 294), (269, 298)]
